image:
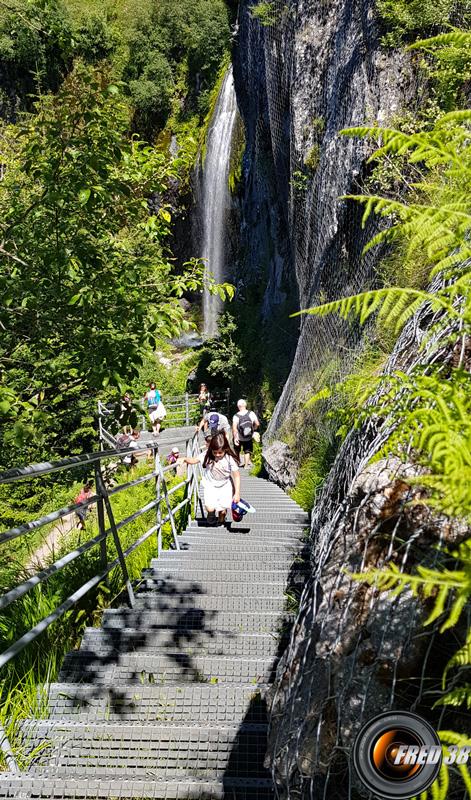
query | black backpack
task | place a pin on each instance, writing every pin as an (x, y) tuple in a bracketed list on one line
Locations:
[(245, 426)]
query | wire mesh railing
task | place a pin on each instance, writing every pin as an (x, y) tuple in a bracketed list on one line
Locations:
[(108, 528)]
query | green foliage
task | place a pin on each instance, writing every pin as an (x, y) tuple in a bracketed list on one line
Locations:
[(432, 412), (86, 282), (299, 181), (152, 92), (36, 45), (312, 475), (94, 38), (187, 40), (237, 156), (225, 355), (266, 13), (312, 157), (438, 223), (449, 589), (24, 700), (405, 19), (449, 66)]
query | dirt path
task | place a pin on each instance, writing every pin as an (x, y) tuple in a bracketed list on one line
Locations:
[(50, 547)]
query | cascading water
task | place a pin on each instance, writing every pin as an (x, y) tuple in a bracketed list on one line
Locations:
[(215, 195)]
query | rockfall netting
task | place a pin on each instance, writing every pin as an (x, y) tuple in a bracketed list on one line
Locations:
[(355, 651), (305, 70)]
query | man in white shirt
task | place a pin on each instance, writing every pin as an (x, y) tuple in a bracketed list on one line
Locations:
[(244, 424)]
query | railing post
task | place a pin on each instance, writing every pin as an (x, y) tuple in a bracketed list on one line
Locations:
[(228, 400), (187, 410), (158, 497), (101, 491), (100, 425), (163, 485), (190, 478), (101, 523)]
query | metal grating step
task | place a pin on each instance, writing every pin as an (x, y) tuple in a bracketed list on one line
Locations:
[(239, 536), (140, 751), (168, 569), (128, 640), (148, 615), (215, 586), (284, 523), (189, 704), (63, 787), (202, 603), (217, 544), (197, 558), (141, 668)]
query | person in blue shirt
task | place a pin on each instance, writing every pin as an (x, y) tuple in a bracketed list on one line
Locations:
[(155, 407)]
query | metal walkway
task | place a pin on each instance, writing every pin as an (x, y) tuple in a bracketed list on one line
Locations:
[(167, 700)]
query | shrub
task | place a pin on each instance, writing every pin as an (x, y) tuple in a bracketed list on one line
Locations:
[(265, 13), (405, 19), (35, 46), (152, 92), (312, 157), (94, 39)]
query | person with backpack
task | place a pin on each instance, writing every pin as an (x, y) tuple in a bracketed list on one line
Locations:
[(221, 478), (155, 407), (244, 425), (213, 422)]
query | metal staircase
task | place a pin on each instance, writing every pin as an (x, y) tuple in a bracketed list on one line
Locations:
[(167, 699)]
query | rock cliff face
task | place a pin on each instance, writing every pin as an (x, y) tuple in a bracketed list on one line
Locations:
[(317, 68), (355, 651)]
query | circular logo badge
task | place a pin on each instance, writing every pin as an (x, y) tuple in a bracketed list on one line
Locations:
[(397, 755)]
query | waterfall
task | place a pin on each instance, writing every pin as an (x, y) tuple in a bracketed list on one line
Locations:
[(215, 194)]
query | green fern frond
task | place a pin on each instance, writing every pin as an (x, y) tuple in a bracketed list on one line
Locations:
[(457, 38), (452, 738), (323, 394), (395, 305), (446, 587), (458, 116), (462, 658), (456, 697), (439, 789)]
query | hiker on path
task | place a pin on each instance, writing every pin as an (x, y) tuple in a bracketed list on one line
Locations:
[(244, 425), (221, 478), (204, 398), (213, 422), (155, 407), (126, 413), (85, 494)]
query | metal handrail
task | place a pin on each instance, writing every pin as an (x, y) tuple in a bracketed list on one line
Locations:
[(187, 403), (102, 501)]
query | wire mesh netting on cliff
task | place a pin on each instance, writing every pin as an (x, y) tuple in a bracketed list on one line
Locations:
[(321, 77), (354, 651)]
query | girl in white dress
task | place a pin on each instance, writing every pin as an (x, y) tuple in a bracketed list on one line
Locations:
[(221, 478)]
